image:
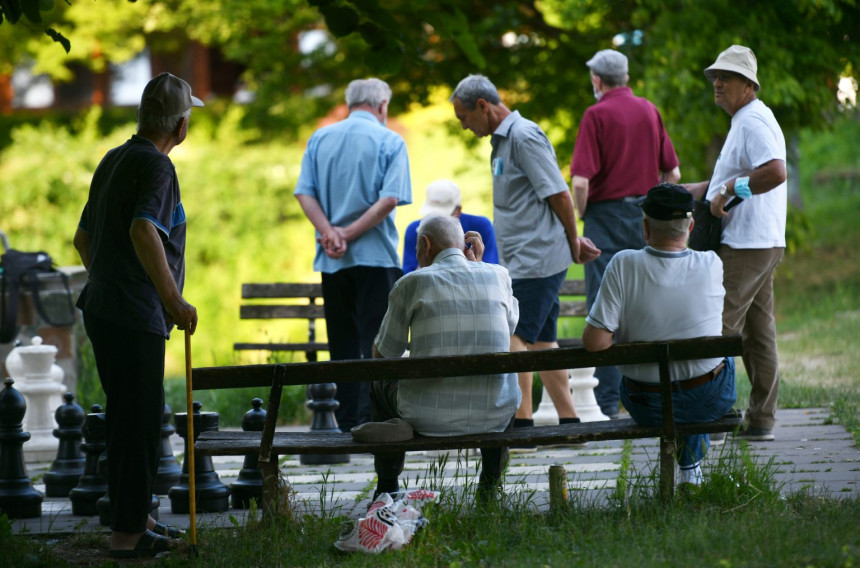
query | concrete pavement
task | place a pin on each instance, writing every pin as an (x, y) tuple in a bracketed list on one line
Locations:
[(809, 454)]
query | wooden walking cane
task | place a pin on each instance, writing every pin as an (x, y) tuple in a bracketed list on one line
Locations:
[(192, 493)]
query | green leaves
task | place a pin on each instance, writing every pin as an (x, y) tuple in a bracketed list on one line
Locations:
[(59, 38), (11, 9)]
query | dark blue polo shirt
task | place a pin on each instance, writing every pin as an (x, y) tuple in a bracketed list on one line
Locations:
[(133, 181)]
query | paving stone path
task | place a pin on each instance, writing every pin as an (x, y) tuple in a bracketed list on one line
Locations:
[(810, 454)]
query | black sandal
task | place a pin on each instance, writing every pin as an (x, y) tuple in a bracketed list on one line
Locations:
[(169, 531), (149, 544)]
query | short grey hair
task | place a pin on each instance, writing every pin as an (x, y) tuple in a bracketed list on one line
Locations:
[(612, 80), (475, 87), (148, 122), (371, 92), (444, 231), (672, 228)]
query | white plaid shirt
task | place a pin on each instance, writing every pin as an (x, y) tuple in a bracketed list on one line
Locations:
[(453, 307)]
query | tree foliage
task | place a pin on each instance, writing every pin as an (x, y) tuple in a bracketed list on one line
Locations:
[(534, 51)]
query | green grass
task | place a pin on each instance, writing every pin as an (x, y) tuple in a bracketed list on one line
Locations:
[(738, 519)]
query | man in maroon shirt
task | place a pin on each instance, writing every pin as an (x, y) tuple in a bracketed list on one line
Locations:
[(621, 151)]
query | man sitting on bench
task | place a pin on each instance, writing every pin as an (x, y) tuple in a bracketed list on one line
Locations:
[(452, 307), (667, 291)]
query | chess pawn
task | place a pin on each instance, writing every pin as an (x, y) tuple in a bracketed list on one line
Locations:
[(169, 469), (212, 496), (66, 470), (93, 484), (18, 498), (249, 484)]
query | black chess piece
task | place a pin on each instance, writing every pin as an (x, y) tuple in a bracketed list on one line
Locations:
[(103, 502), (18, 498), (212, 495), (66, 470), (93, 483), (323, 404), (249, 484), (169, 469)]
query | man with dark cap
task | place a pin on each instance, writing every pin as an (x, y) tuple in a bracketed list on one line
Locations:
[(666, 291), (622, 149), (751, 165), (131, 239)]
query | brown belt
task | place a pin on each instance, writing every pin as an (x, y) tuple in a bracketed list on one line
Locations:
[(682, 385)]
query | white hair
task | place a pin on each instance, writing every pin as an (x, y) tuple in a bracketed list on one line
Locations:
[(475, 87), (371, 92), (444, 231), (672, 228), (148, 122)]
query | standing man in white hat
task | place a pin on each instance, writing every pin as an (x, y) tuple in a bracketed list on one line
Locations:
[(443, 198), (622, 149), (751, 166)]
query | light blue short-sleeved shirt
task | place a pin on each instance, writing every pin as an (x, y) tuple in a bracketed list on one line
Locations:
[(453, 307), (347, 167), (531, 239)]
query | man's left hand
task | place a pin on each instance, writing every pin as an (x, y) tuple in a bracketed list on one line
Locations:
[(717, 204), (474, 250)]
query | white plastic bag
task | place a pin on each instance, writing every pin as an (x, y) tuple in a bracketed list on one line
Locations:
[(390, 523)]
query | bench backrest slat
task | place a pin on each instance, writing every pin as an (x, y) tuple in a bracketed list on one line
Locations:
[(461, 365), (282, 290), (280, 311), (314, 289)]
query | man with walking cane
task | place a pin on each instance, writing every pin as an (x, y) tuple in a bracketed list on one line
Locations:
[(131, 239)]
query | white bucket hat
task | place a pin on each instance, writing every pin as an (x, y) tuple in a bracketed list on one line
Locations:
[(737, 59)]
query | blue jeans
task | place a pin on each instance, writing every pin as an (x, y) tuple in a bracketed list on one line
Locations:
[(704, 403), (613, 226)]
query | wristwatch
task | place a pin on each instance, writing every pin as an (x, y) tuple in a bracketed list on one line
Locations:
[(724, 191)]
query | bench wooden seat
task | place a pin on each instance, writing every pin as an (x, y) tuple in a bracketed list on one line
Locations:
[(270, 444), (238, 443)]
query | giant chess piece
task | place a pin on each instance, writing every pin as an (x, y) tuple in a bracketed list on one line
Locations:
[(249, 484), (323, 404), (42, 391), (93, 484), (212, 495), (103, 502), (66, 470), (169, 469), (18, 498)]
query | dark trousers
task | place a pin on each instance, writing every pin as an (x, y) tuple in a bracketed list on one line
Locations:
[(356, 300), (613, 226), (383, 399), (131, 369)]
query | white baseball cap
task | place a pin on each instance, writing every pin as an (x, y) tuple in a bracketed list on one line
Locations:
[(443, 196)]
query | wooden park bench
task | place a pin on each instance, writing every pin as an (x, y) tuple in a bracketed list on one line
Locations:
[(298, 301), (270, 444), (310, 308)]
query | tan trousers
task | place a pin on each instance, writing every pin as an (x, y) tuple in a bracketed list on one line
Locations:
[(748, 311)]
